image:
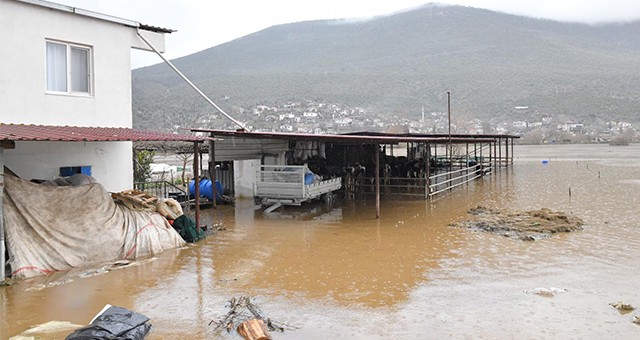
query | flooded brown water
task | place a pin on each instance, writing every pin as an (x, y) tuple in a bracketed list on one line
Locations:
[(408, 275)]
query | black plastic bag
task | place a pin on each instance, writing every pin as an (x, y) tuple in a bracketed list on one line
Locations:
[(114, 323)]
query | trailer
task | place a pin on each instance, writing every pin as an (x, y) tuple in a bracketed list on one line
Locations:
[(278, 185)]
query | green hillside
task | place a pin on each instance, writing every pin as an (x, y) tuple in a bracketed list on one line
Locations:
[(491, 62)]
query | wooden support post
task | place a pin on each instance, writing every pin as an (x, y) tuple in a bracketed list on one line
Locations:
[(427, 188), (467, 160), (212, 171), (2, 245), (506, 150), (511, 150), (490, 156), (482, 158), (377, 180), (435, 154), (449, 176), (475, 151), (254, 329), (495, 154), (196, 181), (500, 152)]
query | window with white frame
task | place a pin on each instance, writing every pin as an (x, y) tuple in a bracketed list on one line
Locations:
[(68, 68)]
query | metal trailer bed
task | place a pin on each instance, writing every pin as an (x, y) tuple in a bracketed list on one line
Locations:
[(279, 185)]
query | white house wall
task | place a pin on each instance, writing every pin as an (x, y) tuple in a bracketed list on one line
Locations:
[(156, 39), (23, 97), (22, 71), (42, 160)]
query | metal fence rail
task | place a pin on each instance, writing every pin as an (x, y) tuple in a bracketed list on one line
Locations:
[(466, 175), (162, 189), (438, 183)]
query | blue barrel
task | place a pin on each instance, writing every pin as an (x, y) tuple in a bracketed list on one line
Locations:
[(206, 189)]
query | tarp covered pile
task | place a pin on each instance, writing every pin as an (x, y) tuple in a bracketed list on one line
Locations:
[(59, 228)]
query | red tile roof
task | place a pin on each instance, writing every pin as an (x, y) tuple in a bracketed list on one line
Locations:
[(21, 132)]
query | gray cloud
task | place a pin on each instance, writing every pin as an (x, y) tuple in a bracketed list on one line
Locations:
[(202, 24)]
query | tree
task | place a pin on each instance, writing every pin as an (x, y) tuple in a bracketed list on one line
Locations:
[(185, 158), (142, 160), (535, 136)]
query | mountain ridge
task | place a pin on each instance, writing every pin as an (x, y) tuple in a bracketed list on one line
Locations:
[(490, 61)]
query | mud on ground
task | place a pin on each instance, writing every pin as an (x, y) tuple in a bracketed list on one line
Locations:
[(523, 225)]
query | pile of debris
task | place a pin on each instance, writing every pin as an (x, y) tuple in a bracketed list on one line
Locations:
[(168, 207), (525, 225), (625, 308), (622, 307), (142, 201), (246, 318)]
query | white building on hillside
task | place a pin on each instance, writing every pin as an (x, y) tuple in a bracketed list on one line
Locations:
[(64, 66)]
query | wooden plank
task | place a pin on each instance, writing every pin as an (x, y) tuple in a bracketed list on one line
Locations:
[(196, 178), (378, 181), (212, 171), (273, 207), (254, 329)]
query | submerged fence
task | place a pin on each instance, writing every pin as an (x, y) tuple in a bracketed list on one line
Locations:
[(440, 175), (448, 180), (440, 182)]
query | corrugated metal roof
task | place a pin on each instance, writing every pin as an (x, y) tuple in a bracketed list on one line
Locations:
[(433, 135), (155, 28), (21, 132), (354, 139)]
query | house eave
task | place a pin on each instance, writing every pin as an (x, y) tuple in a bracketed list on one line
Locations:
[(96, 15)]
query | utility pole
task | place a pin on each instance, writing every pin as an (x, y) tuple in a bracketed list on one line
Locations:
[(450, 146), (449, 113)]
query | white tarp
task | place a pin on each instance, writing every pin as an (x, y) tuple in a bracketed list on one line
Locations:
[(58, 228)]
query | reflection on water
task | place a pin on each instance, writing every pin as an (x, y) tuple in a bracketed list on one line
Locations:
[(340, 272)]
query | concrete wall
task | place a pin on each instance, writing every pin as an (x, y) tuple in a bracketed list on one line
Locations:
[(245, 177), (24, 100), (38, 160)]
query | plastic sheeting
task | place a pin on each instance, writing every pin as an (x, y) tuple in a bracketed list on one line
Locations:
[(58, 228), (114, 323)]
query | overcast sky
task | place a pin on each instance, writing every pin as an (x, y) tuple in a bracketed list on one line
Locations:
[(202, 24)]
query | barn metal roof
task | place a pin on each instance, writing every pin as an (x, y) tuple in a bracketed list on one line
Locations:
[(434, 135), (22, 132), (363, 138)]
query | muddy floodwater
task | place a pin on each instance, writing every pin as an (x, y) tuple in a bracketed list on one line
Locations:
[(342, 273)]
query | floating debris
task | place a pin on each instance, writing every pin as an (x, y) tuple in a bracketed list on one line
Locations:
[(622, 307), (546, 292), (526, 225), (241, 310), (636, 320), (50, 284), (49, 327)]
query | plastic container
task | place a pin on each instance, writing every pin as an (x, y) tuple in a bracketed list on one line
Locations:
[(206, 189), (308, 178)]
